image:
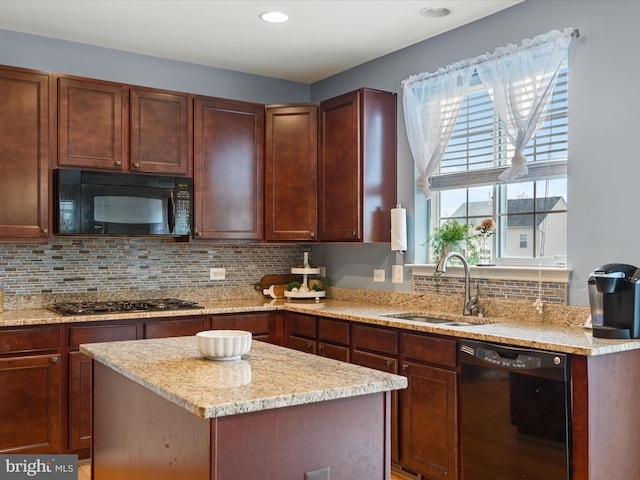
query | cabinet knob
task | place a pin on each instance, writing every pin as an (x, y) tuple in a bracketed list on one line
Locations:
[(321, 347), (199, 234), (389, 363), (353, 233), (405, 366), (313, 235), (136, 165), (54, 359), (118, 163), (45, 230)]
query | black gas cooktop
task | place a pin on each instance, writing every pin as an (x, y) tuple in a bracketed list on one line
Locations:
[(122, 306)]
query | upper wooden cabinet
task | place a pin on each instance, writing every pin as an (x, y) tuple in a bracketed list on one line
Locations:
[(92, 124), (160, 132), (25, 119), (228, 169), (110, 126), (291, 153), (357, 166)]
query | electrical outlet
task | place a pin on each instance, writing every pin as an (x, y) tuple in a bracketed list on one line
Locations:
[(378, 275), (397, 275), (320, 474), (216, 274)]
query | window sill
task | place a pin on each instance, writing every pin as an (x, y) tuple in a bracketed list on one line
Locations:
[(531, 274)]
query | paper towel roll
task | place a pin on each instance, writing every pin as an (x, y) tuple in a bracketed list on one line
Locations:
[(399, 229)]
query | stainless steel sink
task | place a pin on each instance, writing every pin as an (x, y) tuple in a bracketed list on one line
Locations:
[(416, 317)]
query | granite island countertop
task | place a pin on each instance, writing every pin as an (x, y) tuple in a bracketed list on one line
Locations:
[(565, 337), (267, 377)]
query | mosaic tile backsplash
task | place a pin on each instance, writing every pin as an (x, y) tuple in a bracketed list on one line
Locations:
[(550, 292), (83, 264)]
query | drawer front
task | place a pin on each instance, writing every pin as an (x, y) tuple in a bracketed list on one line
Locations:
[(336, 352), (25, 340), (375, 361), (254, 323), (429, 349), (101, 333), (301, 325), (302, 344), (376, 339), (333, 331), (184, 327)]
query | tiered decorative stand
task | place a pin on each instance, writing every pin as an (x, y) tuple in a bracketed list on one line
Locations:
[(305, 271)]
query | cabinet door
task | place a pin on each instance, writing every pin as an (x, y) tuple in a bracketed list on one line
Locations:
[(357, 186), (24, 156), (429, 438), (339, 170), (228, 169), (291, 154), (92, 118), (79, 401), (30, 404), (159, 140)]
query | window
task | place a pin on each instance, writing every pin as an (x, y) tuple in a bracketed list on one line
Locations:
[(531, 211)]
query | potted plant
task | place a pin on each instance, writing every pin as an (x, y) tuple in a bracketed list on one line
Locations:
[(453, 236)]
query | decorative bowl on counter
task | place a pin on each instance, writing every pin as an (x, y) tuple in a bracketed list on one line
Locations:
[(224, 344)]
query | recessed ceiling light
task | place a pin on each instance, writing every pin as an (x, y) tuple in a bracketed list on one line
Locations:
[(274, 17), (435, 12)]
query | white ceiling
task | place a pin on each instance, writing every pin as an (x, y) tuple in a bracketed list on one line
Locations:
[(322, 38)]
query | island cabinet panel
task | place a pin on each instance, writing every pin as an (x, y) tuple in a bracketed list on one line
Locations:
[(228, 169), (291, 154), (92, 124), (138, 435), (30, 404), (357, 166), (176, 327), (160, 139), (429, 425), (300, 332), (25, 136)]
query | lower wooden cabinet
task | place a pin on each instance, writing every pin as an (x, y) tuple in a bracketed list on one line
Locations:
[(30, 404), (266, 327), (429, 406)]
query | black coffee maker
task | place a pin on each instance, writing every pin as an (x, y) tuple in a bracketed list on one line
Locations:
[(614, 298)]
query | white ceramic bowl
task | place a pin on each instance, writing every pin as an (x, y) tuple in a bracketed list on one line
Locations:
[(224, 344)]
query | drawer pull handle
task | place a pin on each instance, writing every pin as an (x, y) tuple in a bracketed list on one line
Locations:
[(54, 359), (405, 366)]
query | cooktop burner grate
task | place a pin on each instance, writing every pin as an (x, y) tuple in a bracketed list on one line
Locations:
[(122, 306)]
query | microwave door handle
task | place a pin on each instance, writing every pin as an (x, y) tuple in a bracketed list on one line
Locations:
[(171, 213)]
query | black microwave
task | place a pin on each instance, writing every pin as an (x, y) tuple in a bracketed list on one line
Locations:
[(106, 203)]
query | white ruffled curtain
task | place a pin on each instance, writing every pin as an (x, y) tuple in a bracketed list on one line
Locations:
[(431, 105), (520, 81)]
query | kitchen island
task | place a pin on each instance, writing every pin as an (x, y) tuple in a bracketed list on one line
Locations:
[(162, 411)]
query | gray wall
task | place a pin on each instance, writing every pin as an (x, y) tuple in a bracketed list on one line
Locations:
[(604, 99), (604, 164), (51, 55)]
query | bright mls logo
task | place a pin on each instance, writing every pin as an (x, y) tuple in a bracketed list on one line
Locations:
[(51, 467)]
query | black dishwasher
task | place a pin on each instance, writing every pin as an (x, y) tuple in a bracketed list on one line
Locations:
[(514, 412)]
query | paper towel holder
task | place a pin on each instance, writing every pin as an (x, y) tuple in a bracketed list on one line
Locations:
[(399, 229)]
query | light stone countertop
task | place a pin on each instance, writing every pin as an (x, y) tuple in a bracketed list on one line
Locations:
[(267, 377), (558, 330)]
